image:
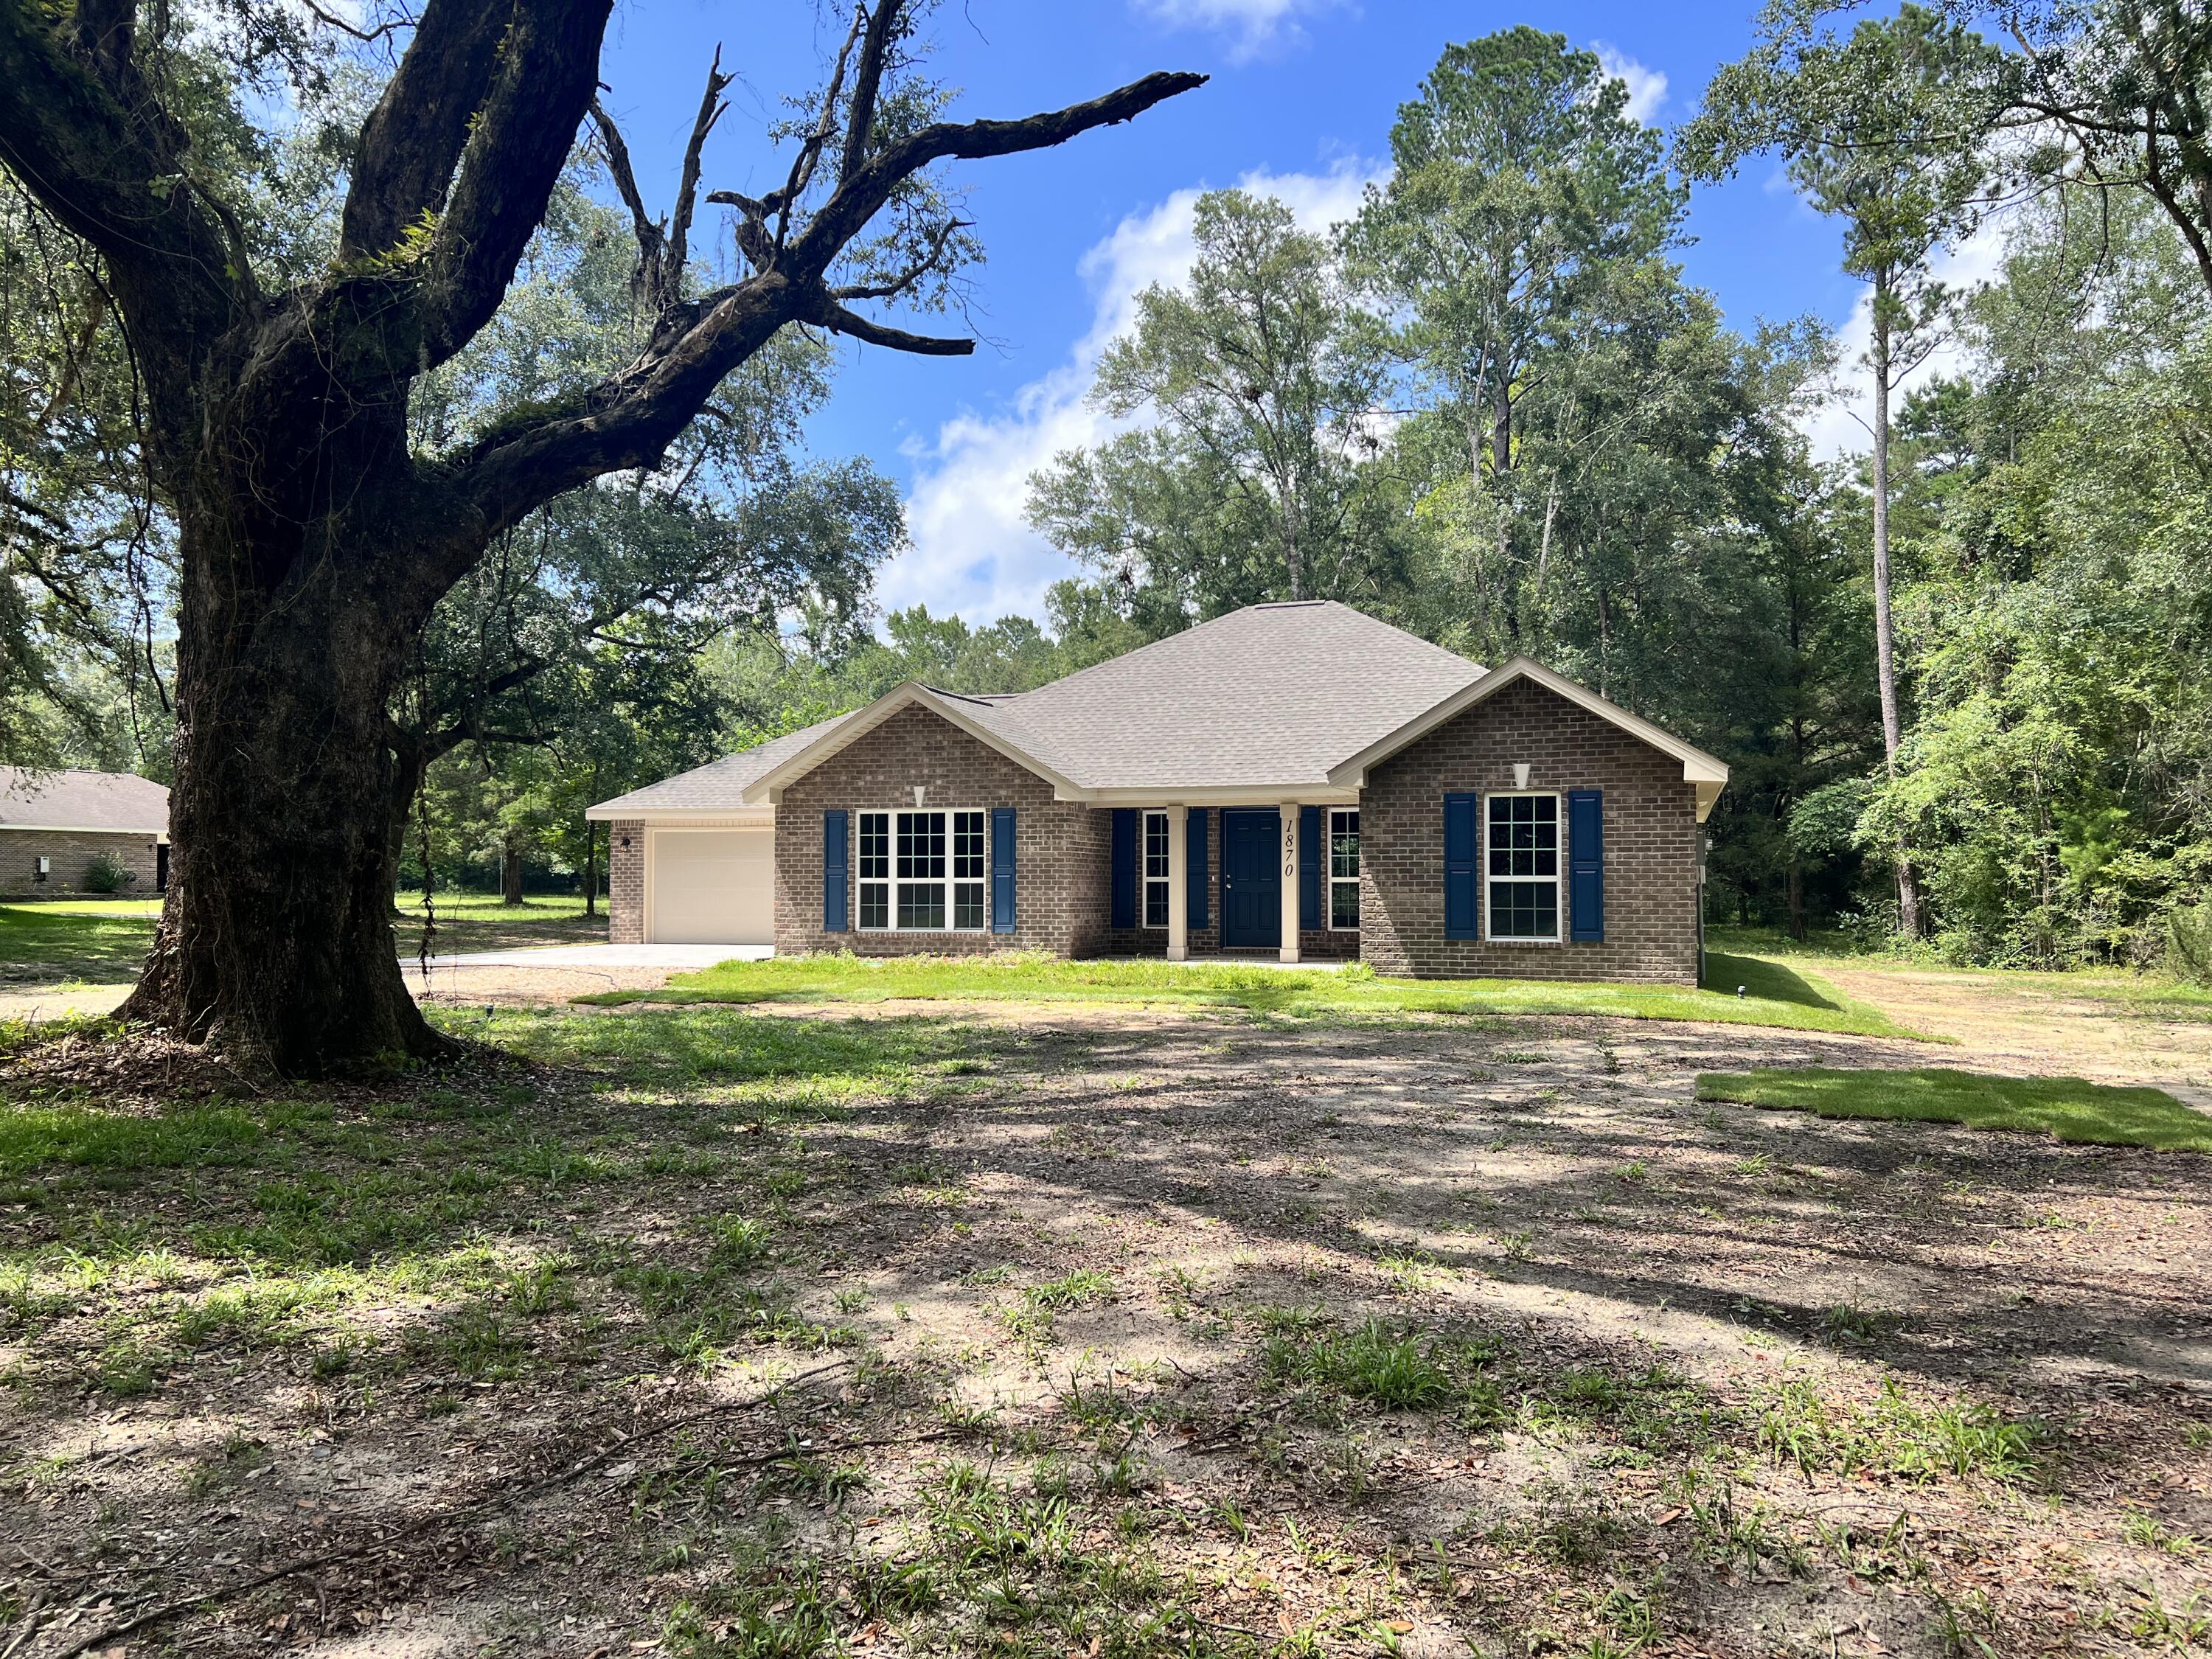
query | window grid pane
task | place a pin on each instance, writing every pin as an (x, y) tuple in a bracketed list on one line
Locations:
[(1524, 836), (921, 904), (968, 904), (875, 846), (1156, 846), (1344, 845), (1524, 909), (968, 846), (922, 847), (1344, 904), (875, 905)]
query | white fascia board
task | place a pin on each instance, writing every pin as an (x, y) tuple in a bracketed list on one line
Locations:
[(615, 812), (82, 829), (768, 788), (1697, 767), (1308, 793)]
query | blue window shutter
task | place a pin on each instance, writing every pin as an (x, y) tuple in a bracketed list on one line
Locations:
[(1586, 864), (1125, 867), (1002, 869), (1461, 908), (1309, 868), (1196, 861), (833, 872)]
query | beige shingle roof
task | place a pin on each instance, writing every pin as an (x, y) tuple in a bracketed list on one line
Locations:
[(1270, 694), (118, 801)]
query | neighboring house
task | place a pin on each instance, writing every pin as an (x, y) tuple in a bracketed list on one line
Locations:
[(1295, 778), (54, 824)]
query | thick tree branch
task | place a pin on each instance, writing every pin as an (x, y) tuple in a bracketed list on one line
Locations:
[(836, 318), (862, 195), (110, 174), (411, 140), (868, 82), (781, 201), (546, 71), (663, 244), (711, 108), (630, 420)]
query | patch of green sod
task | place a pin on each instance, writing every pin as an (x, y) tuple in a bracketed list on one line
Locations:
[(1773, 995), (96, 939), (2094, 1114)]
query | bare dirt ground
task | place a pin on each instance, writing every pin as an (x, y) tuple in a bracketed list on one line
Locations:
[(2040, 1024), (1099, 1333)]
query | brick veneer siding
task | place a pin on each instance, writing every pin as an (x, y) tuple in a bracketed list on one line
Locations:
[(1314, 943), (1062, 850), (1651, 844), (626, 883), (71, 852)]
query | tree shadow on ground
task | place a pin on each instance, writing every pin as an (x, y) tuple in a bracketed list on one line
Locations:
[(1758, 977)]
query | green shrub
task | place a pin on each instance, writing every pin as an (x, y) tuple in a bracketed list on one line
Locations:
[(2189, 943), (106, 873)]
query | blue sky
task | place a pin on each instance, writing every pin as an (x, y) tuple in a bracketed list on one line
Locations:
[(1301, 101)]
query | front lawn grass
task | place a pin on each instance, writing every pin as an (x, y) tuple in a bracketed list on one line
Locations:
[(104, 940), (2094, 1114), (483, 921), (1773, 995), (97, 939)]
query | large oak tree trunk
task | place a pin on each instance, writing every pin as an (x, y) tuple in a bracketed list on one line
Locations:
[(275, 944)]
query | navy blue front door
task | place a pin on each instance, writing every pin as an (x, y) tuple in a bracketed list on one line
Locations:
[(1251, 879)]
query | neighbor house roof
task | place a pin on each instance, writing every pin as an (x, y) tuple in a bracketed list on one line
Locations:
[(716, 788), (120, 803), (1271, 702)]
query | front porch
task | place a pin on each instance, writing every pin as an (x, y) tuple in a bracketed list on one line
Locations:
[(1230, 881)]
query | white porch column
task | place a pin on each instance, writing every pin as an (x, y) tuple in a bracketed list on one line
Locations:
[(1178, 883), (1290, 890)]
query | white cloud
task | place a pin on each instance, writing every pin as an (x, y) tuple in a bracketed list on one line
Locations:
[(1647, 88), (1256, 26), (972, 552), (1841, 424)]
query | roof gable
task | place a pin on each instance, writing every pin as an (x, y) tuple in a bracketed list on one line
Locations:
[(1707, 773)]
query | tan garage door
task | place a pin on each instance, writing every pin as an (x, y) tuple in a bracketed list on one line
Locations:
[(713, 886)]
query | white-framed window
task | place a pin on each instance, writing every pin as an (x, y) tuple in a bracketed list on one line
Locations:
[(921, 872), (1156, 870), (1343, 869), (1522, 861)]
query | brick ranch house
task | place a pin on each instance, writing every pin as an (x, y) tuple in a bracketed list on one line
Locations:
[(1298, 780), (54, 823)]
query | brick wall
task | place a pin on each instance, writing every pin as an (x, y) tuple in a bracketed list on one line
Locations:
[(625, 883), (1651, 844), (72, 853), (1062, 850), (1314, 943)]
